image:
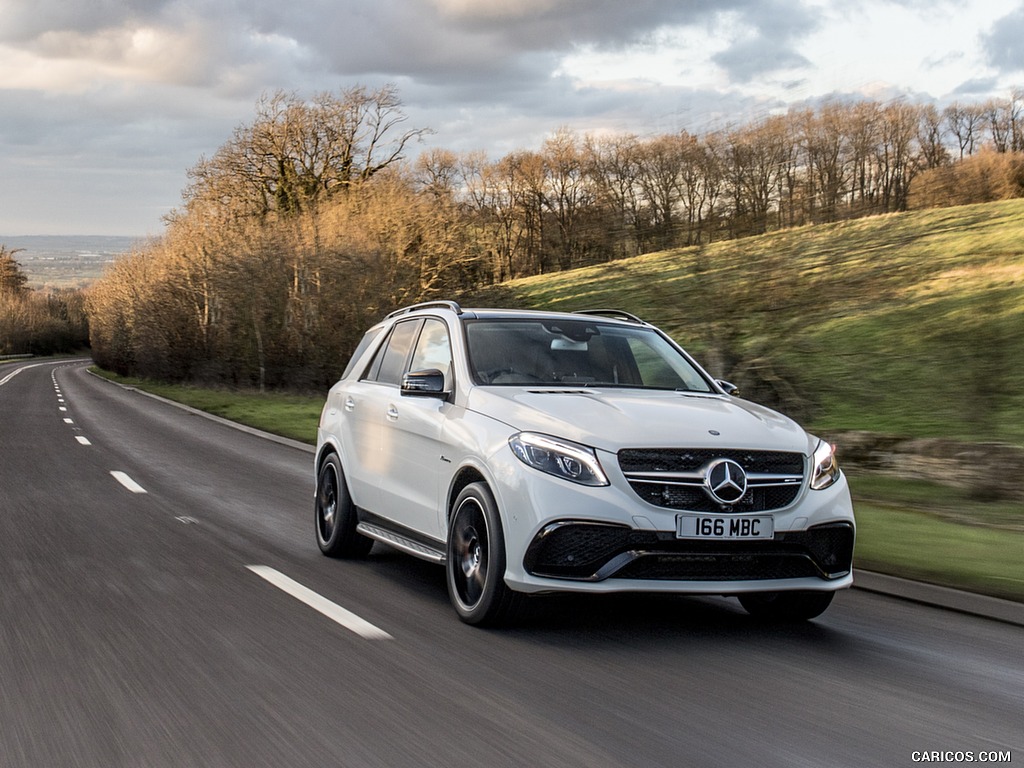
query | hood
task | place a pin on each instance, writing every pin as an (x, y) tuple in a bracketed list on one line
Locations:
[(612, 419)]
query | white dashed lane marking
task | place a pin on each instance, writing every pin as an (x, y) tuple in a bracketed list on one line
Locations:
[(127, 482), (121, 477), (320, 603), (317, 602)]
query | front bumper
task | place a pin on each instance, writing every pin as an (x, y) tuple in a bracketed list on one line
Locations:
[(594, 552), (563, 537)]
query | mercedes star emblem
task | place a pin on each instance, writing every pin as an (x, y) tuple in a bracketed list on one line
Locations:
[(725, 481)]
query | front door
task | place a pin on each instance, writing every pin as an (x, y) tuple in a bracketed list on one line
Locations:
[(412, 449)]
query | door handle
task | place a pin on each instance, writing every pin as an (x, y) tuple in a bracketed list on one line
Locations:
[(350, 405), (392, 413)]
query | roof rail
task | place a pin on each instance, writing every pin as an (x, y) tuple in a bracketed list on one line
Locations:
[(611, 313), (454, 307)]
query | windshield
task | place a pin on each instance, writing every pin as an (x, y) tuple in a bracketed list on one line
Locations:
[(577, 353)]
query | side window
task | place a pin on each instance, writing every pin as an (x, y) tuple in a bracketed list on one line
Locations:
[(433, 350), (365, 342), (389, 363)]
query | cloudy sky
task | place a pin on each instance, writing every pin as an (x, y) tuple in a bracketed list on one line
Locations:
[(105, 104)]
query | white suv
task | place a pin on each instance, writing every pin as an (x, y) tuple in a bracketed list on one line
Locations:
[(532, 452)]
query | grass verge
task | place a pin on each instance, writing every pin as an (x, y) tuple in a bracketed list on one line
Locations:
[(920, 546), (287, 415)]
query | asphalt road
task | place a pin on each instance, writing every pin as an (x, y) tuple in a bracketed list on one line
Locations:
[(180, 614)]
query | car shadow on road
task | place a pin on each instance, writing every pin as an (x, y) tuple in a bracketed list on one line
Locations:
[(617, 617), (635, 617)]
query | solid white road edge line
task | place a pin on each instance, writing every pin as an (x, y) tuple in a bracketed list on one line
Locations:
[(127, 482), (320, 603), (11, 375), (16, 371)]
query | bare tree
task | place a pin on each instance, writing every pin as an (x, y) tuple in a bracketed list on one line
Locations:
[(613, 169), (660, 163), (965, 122), (525, 194), (296, 153), (437, 173), (865, 129), (997, 113), (897, 162), (711, 156), (507, 200), (828, 149), (758, 155), (931, 134), (568, 194), (1004, 117)]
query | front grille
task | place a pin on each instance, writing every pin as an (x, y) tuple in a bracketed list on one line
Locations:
[(694, 499), (595, 552), (674, 478), (685, 460)]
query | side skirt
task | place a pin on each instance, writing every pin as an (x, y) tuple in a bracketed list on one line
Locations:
[(402, 539)]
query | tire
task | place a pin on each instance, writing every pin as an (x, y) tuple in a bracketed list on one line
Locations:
[(475, 562), (335, 515), (786, 606)]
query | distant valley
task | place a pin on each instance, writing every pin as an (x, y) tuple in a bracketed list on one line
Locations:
[(65, 261)]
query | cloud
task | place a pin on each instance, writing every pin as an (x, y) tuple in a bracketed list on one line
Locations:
[(1002, 44), (753, 58), (562, 24), (977, 87), (195, 43), (27, 20), (105, 95), (512, 44), (764, 40)]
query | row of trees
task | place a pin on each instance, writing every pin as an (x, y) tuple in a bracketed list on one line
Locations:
[(34, 322), (308, 224), (579, 200)]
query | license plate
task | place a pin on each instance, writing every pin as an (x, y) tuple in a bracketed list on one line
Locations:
[(706, 527)]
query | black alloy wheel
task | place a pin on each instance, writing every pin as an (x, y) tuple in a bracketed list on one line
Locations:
[(475, 562), (335, 514)]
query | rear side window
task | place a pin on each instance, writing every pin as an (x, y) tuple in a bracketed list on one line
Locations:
[(389, 363), (364, 344)]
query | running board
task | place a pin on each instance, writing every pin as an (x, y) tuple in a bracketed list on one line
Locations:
[(403, 543)]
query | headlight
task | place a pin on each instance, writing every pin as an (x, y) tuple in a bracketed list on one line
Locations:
[(826, 470), (560, 458)]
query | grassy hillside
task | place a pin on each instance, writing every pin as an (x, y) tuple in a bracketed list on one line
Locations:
[(907, 323)]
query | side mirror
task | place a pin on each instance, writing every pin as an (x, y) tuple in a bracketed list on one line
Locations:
[(426, 383), (729, 387)]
